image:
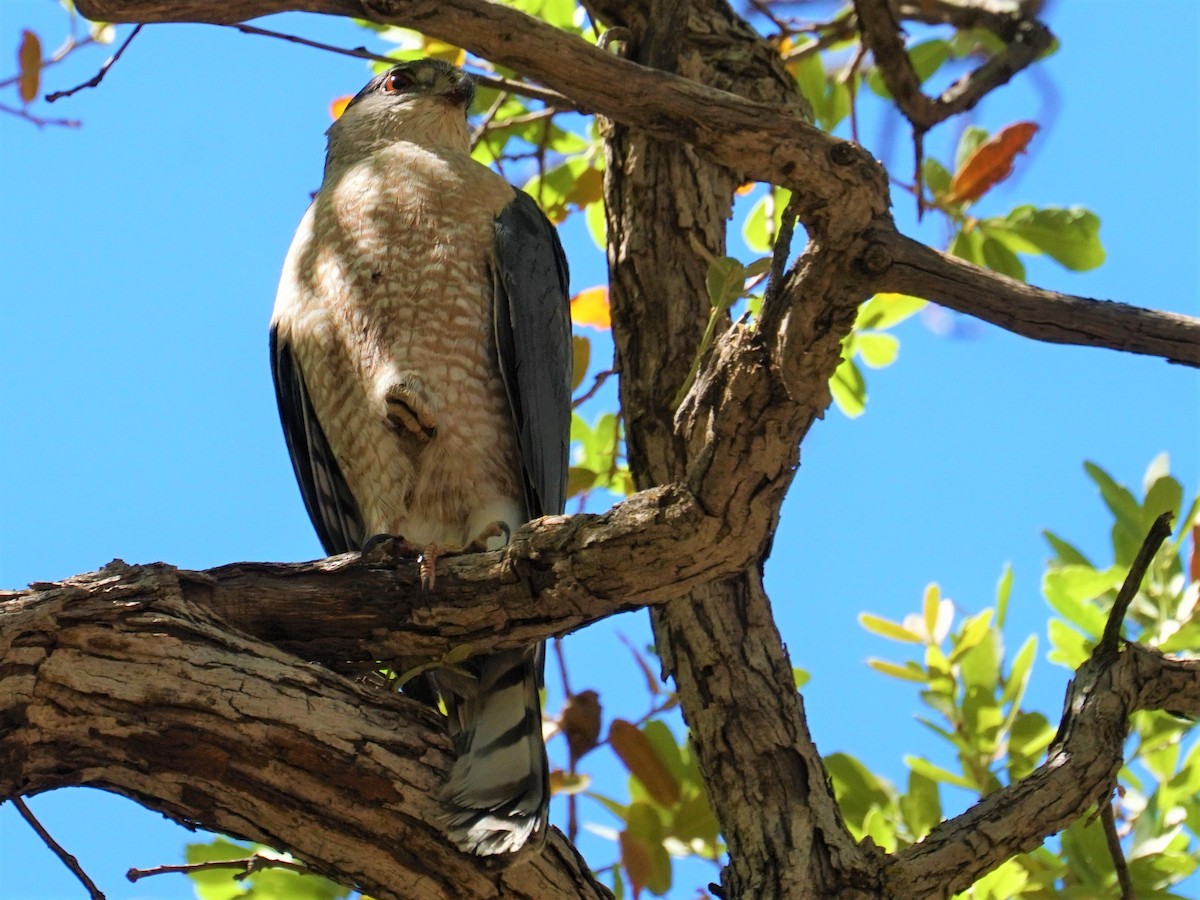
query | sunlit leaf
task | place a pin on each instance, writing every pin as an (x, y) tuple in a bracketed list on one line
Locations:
[(568, 783), (338, 105), (1069, 236), (849, 389), (888, 629), (991, 162), (878, 349), (910, 671), (589, 308)]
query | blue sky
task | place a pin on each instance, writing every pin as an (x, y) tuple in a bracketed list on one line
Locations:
[(140, 257)]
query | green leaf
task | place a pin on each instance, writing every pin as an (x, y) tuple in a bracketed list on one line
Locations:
[(968, 245), (1068, 647), (973, 631), (1018, 677), (877, 349), (969, 141), (856, 788), (849, 389), (1117, 498), (885, 310), (928, 770), (799, 677), (999, 258), (936, 177), (910, 671), (1070, 588), (1067, 553), (921, 806), (1003, 592), (1070, 236), (980, 665), (755, 233), (889, 629), (725, 282), (926, 58)]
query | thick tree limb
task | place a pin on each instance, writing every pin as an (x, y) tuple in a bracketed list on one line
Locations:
[(909, 267), (347, 612), (162, 702)]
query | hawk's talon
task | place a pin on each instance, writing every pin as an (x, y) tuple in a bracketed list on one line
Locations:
[(427, 564), (483, 541)]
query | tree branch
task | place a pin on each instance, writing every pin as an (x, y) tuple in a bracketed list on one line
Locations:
[(161, 702), (1025, 40), (909, 267), (558, 574), (1076, 774)]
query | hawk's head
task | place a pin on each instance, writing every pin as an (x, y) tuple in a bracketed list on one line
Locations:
[(424, 101)]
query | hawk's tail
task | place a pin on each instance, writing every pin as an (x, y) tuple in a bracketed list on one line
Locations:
[(498, 792)]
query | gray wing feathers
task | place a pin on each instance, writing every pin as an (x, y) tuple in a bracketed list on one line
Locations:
[(327, 497), (533, 336)]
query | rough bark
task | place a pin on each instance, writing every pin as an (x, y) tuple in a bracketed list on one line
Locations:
[(128, 680)]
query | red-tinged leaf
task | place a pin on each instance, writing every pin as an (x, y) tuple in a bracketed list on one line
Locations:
[(580, 722), (746, 188), (637, 753), (590, 308), (636, 861), (29, 60), (991, 162), (1194, 568), (338, 106)]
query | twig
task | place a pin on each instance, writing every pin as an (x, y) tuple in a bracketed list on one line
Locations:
[(600, 378), (1110, 640), (67, 859), (482, 127), (547, 96), (782, 250), (248, 866), (99, 76), (1108, 820), (37, 120), (562, 667)]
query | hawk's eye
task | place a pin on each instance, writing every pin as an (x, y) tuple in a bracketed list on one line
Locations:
[(397, 81)]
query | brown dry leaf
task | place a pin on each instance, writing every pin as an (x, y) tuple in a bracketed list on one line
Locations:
[(590, 308), (580, 722), (991, 162), (640, 759), (29, 58)]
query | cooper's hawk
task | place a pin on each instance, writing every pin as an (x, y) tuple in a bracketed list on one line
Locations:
[(421, 350)]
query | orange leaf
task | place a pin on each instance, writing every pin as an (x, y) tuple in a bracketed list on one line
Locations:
[(746, 188), (338, 106), (29, 57), (991, 162), (639, 757), (590, 308)]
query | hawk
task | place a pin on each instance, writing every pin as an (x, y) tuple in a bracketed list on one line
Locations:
[(421, 351)]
